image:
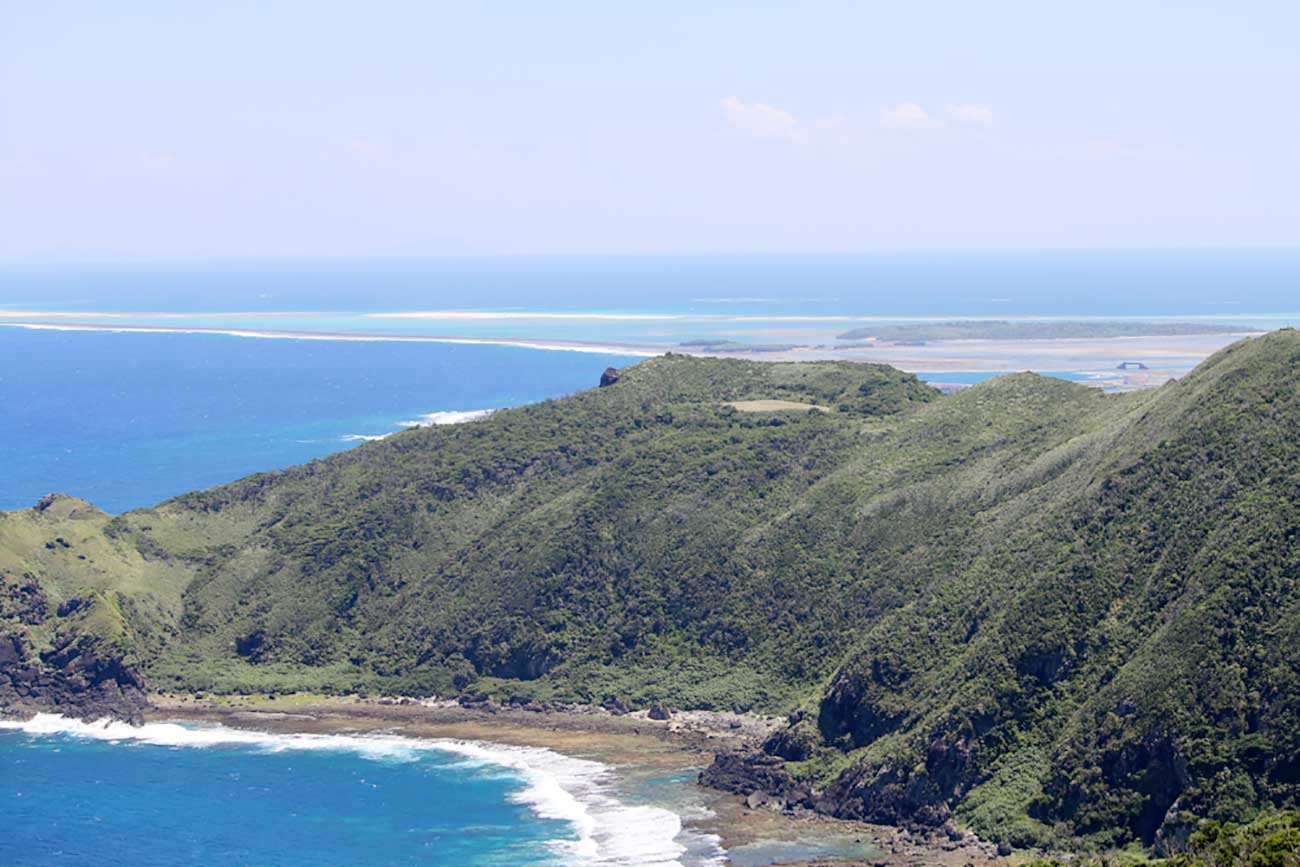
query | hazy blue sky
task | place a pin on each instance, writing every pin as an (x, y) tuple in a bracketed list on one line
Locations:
[(250, 129)]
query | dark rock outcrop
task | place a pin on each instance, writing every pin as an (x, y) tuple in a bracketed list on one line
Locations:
[(78, 673), (750, 772), (22, 601), (660, 712), (616, 707), (894, 794), (1151, 765), (609, 377), (46, 501), (795, 743), (79, 677), (12, 651)]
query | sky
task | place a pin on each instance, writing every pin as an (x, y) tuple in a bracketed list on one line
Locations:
[(196, 130)]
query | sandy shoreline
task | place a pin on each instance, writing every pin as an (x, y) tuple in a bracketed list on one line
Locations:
[(360, 337), (634, 745)]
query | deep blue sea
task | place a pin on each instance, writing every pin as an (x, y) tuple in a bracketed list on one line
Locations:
[(128, 420)]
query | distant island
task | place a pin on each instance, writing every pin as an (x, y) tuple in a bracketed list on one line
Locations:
[(1054, 617), (1037, 330)]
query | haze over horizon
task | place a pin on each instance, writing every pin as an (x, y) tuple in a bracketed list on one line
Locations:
[(153, 131)]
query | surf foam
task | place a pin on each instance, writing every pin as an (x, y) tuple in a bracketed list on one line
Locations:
[(450, 416), (576, 791)]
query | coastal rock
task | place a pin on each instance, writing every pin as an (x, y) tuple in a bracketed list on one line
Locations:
[(609, 377), (11, 650), (897, 795), (79, 678), (794, 743), (72, 670), (750, 772), (259, 716), (762, 800)]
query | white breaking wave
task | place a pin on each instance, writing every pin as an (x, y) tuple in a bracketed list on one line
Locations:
[(450, 416), (576, 791)]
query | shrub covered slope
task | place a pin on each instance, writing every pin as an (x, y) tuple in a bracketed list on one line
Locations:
[(1057, 613)]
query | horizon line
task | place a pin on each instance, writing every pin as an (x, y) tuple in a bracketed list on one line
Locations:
[(883, 252)]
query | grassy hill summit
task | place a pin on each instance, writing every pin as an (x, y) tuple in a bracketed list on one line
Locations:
[(1055, 615)]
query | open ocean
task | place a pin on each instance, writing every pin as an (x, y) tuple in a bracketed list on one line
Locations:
[(902, 285), (129, 419)]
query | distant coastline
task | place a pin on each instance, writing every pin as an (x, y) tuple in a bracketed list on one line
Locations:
[(1038, 329), (276, 334), (945, 344)]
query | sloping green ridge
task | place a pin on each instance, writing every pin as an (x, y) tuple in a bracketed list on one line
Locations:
[(1059, 613)]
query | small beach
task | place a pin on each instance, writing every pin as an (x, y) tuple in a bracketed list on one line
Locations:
[(638, 749)]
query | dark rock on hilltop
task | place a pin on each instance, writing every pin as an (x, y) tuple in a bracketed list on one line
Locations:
[(609, 377), (46, 501)]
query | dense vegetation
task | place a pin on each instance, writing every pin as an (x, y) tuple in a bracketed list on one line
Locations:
[(1035, 330), (1272, 840), (1065, 617)]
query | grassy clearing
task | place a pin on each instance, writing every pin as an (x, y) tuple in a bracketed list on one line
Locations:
[(774, 406)]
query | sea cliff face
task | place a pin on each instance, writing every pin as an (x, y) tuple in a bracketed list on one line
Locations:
[(68, 596), (53, 659), (1049, 614)]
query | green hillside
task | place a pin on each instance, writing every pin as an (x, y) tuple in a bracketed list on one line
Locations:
[(1057, 615)]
